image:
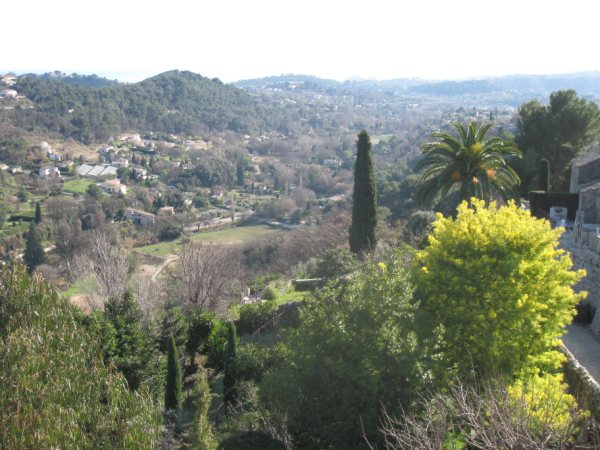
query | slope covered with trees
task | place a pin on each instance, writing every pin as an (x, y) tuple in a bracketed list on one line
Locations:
[(173, 102)]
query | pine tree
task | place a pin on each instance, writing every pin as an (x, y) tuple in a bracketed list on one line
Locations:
[(229, 379), (38, 213), (34, 252), (364, 197), (173, 388)]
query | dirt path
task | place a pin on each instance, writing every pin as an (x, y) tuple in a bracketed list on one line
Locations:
[(584, 345), (159, 269)]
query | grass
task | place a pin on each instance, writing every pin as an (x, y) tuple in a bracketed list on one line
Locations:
[(77, 186), (291, 295), (162, 249), (75, 289), (232, 235)]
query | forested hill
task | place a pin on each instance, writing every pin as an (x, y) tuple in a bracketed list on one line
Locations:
[(174, 102)]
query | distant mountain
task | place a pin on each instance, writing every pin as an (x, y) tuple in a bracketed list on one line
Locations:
[(312, 83), (519, 86), (586, 84), (89, 108)]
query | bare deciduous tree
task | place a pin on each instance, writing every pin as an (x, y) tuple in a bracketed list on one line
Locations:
[(484, 418), (205, 275), (105, 265)]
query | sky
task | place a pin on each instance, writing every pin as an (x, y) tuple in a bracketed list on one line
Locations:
[(241, 39)]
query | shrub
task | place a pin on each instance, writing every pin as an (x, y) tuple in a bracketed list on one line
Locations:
[(203, 434), (55, 391), (251, 440), (545, 401), (352, 354), (270, 293), (256, 316), (495, 290)]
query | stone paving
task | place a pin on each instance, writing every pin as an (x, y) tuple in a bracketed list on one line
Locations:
[(584, 345)]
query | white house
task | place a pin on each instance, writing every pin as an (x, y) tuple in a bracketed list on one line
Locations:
[(9, 80), (8, 93), (114, 187), (139, 217), (140, 174), (121, 162), (49, 172)]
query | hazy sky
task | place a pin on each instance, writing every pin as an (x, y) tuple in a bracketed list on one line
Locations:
[(239, 39)]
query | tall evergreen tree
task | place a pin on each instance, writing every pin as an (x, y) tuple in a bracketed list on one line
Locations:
[(134, 348), (364, 198), (38, 213), (229, 379), (173, 388), (240, 172), (34, 252)]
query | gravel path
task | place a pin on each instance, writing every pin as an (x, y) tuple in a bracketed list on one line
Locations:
[(585, 347)]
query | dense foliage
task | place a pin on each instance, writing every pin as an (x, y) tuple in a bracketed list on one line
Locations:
[(364, 199), (173, 102), (559, 131), (495, 291), (55, 391), (471, 164), (34, 253), (174, 380), (229, 378), (352, 355)]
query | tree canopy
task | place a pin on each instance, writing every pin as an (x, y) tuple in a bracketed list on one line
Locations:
[(470, 163), (364, 199), (55, 391), (559, 131), (353, 353), (496, 290)]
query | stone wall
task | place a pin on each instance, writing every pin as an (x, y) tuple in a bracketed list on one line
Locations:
[(584, 258), (589, 172), (589, 203)]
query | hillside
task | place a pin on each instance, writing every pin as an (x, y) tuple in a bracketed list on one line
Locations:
[(507, 90), (89, 109)]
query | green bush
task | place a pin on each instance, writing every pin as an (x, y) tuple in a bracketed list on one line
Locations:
[(253, 361), (256, 316), (203, 433), (55, 391), (353, 354), (270, 293), (251, 440), (216, 345)]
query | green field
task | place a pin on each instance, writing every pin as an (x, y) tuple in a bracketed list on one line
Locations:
[(77, 186), (232, 235)]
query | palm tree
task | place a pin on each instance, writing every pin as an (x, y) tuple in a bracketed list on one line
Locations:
[(473, 166)]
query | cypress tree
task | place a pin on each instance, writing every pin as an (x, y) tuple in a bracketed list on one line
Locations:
[(544, 175), (38, 213), (364, 198), (173, 393), (34, 253), (229, 379), (240, 172)]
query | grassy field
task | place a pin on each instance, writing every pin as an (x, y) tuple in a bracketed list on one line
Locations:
[(162, 250), (233, 235), (77, 186)]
